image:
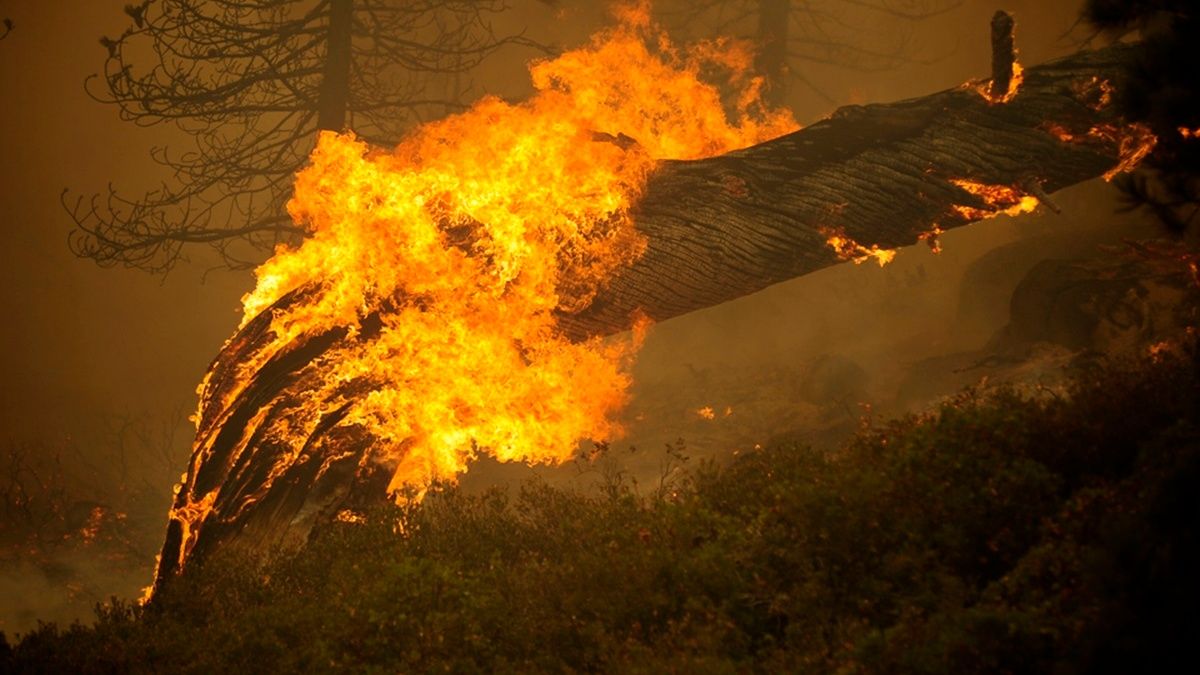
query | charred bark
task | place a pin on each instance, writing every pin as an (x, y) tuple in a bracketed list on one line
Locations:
[(717, 229), (728, 226), (1004, 53)]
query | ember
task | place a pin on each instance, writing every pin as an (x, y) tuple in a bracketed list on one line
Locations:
[(1014, 85), (1000, 199), (848, 249)]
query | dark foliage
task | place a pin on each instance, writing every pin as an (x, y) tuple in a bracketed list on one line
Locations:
[(1159, 89), (82, 516), (1001, 533)]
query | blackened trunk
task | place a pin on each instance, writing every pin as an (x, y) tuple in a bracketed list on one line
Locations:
[(335, 77), (773, 18), (1004, 53), (717, 229), (728, 226)]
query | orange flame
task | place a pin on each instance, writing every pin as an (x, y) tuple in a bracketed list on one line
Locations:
[(1060, 132), (848, 249), (472, 233), (350, 517), (91, 529), (1000, 199), (1095, 92), (932, 238), (1134, 143), (1159, 350), (1014, 85)]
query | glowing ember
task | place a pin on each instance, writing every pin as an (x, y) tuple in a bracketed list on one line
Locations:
[(1000, 199), (706, 413), (148, 591), (457, 248), (848, 249), (92, 527), (1159, 350), (1189, 133), (933, 238), (1060, 132), (191, 515), (1096, 92), (351, 517), (1135, 142), (1014, 85)]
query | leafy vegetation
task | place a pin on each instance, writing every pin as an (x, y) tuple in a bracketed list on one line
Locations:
[(1003, 532)]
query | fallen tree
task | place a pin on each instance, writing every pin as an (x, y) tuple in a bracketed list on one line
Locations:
[(868, 179), (878, 176)]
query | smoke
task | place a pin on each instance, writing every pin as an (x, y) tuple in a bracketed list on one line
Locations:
[(812, 359), (81, 519), (799, 359)]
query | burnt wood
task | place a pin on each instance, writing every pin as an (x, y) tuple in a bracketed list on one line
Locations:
[(717, 229)]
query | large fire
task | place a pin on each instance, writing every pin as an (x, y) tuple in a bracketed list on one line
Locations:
[(467, 238)]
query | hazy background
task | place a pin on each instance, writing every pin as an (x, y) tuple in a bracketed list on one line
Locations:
[(100, 365)]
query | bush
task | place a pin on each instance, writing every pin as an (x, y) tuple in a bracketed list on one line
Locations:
[(1000, 533)]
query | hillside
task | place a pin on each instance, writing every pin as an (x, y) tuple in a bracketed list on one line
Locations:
[(1002, 532)]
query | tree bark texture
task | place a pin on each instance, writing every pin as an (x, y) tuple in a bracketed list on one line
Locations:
[(717, 229), (1004, 53), (728, 226)]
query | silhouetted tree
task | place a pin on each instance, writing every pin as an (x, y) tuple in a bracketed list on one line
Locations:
[(865, 35), (252, 81)]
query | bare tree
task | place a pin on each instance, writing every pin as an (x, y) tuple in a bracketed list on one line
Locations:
[(865, 35), (252, 81), (33, 498)]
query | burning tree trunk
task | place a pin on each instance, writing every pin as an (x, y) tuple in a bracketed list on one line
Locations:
[(863, 181), (866, 179)]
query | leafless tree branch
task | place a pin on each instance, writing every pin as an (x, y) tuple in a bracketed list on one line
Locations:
[(863, 35), (245, 80)]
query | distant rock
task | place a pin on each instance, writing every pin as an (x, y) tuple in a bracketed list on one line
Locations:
[(1100, 304)]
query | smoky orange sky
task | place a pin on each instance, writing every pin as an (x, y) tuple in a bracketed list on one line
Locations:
[(80, 345), (79, 341)]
